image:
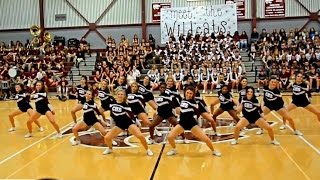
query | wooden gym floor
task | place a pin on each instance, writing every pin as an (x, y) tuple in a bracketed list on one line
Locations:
[(254, 158)]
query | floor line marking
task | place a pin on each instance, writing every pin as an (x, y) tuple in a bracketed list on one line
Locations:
[(301, 137), (24, 149), (295, 163), (36, 158)]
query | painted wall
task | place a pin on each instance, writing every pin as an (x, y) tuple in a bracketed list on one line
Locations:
[(18, 14), (121, 12), (292, 7)]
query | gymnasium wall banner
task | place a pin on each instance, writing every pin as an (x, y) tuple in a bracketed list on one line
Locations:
[(202, 20), (274, 8), (156, 9), (241, 8)]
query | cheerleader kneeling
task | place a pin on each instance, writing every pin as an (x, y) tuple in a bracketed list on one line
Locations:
[(252, 114)]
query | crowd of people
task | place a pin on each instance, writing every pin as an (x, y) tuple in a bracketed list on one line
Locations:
[(285, 54), (207, 59), (31, 62)]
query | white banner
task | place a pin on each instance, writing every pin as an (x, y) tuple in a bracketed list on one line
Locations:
[(198, 20)]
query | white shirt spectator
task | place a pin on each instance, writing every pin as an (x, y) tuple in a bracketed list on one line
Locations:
[(39, 75)]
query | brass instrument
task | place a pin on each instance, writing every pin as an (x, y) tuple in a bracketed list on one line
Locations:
[(47, 37), (35, 31)]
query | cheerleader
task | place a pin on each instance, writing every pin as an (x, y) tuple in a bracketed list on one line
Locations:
[(219, 85), (196, 77), (178, 77), (120, 84), (153, 76), (145, 90), (42, 108), (273, 102), (164, 103), (172, 91), (204, 79), (89, 118), (23, 103), (161, 76), (233, 76), (262, 78), (252, 114), (214, 79), (300, 99), (122, 115), (226, 104), (105, 98), (137, 104), (81, 92), (203, 108), (242, 89), (188, 121)]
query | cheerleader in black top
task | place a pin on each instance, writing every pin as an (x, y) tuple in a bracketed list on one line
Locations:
[(300, 98), (203, 108), (106, 98), (136, 101), (23, 103), (242, 89), (81, 92), (273, 101), (123, 117), (42, 108), (226, 104), (188, 121), (145, 90), (172, 91), (220, 83), (164, 112), (89, 118), (252, 114)]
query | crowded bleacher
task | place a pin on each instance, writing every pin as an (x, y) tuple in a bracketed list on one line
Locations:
[(209, 59)]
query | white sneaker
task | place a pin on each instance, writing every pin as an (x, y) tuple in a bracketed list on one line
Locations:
[(172, 152), (298, 133), (76, 142), (157, 133), (186, 141), (58, 136), (234, 142), (29, 135), (242, 133), (275, 142), (203, 91), (232, 124), (216, 153), (149, 152), (150, 141), (41, 129), (107, 151), (283, 126), (12, 129), (114, 143), (259, 132), (91, 129)]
